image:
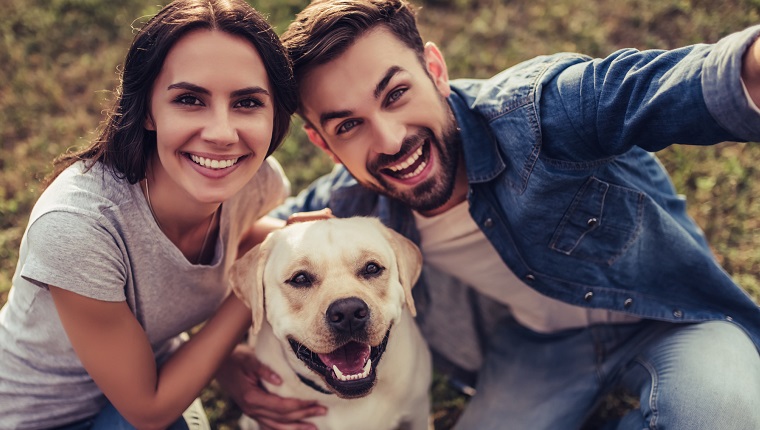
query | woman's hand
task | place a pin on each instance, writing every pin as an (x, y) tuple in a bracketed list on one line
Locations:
[(241, 376)]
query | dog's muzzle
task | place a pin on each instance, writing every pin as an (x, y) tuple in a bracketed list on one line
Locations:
[(349, 370)]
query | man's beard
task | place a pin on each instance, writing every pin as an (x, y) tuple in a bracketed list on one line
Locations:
[(434, 191)]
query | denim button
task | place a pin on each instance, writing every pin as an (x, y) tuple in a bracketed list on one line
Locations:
[(530, 278), (488, 223), (592, 222), (588, 296), (678, 313), (628, 302)]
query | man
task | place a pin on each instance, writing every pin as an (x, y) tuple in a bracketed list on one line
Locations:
[(538, 189)]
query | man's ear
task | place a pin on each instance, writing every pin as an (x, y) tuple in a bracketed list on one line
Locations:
[(317, 140), (436, 68)]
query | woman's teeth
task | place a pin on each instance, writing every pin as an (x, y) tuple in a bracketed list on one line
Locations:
[(213, 164)]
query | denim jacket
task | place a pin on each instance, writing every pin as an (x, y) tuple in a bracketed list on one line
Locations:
[(563, 182)]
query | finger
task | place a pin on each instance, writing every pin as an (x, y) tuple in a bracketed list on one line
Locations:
[(290, 417), (265, 372), (310, 216), (258, 402), (267, 424)]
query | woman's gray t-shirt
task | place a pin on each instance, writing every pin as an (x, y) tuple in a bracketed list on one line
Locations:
[(93, 234)]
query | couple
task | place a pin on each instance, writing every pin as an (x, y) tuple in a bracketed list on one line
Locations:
[(560, 262)]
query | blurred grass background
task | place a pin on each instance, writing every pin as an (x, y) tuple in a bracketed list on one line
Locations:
[(58, 63)]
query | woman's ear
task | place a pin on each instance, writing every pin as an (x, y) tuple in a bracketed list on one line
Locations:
[(436, 68), (149, 124), (317, 140)]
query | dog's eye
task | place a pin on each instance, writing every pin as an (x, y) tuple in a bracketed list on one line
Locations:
[(301, 279), (372, 269)]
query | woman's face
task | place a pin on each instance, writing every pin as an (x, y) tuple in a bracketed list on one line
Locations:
[(211, 107)]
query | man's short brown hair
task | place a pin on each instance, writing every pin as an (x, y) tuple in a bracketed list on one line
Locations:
[(327, 28)]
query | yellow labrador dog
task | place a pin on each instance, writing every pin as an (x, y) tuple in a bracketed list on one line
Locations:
[(333, 316)]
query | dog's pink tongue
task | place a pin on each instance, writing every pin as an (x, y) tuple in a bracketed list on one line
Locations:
[(349, 358)]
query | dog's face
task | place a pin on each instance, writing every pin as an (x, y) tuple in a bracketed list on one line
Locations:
[(332, 290)]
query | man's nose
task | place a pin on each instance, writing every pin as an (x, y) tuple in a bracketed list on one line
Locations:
[(389, 136), (220, 128)]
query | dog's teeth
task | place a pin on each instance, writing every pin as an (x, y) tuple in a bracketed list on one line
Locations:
[(367, 368), (338, 373)]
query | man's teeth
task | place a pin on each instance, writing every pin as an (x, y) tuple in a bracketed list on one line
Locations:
[(408, 162), (213, 164), (416, 171), (364, 374)]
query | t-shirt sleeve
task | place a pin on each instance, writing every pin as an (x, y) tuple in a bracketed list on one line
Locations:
[(75, 252)]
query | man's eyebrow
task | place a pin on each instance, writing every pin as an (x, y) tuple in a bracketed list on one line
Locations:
[(198, 89), (386, 79)]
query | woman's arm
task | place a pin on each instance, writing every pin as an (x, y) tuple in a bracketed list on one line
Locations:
[(115, 351), (751, 71)]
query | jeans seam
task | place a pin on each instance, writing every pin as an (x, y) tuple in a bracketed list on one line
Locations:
[(652, 392)]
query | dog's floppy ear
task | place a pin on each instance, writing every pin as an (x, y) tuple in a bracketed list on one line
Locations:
[(247, 281), (409, 262)]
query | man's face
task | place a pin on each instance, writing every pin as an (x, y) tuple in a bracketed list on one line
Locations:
[(378, 111)]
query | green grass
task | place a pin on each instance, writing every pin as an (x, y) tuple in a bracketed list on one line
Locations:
[(58, 61)]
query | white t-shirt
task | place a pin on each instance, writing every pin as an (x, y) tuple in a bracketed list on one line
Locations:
[(453, 244), (94, 234)]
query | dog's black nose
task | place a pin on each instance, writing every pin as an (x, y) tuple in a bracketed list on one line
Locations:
[(348, 315)]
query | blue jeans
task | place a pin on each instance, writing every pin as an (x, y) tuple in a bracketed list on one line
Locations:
[(687, 376), (194, 418)]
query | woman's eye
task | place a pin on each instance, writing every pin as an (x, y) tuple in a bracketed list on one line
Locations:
[(301, 279), (347, 126), (248, 103), (372, 269), (187, 100)]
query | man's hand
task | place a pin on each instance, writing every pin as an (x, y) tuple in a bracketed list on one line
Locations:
[(325, 213), (240, 377)]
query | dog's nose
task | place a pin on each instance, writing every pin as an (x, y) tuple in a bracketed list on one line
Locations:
[(348, 315)]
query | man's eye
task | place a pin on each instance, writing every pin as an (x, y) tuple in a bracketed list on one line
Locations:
[(248, 104), (187, 99), (372, 269), (301, 280), (395, 95), (347, 126)]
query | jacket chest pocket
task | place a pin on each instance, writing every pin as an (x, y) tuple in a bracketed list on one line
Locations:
[(602, 221)]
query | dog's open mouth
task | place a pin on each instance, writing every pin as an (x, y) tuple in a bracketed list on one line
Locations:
[(350, 370)]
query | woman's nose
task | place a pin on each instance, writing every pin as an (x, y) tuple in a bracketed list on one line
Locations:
[(220, 128)]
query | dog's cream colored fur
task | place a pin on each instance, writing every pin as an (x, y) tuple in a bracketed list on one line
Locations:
[(334, 252)]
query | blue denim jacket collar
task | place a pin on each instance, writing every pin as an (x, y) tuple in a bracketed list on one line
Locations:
[(482, 159)]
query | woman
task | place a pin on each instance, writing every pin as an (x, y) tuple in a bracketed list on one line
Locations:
[(128, 246)]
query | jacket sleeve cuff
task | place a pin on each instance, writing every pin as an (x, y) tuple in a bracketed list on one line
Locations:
[(723, 88)]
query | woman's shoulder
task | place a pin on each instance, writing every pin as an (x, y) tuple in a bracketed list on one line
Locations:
[(86, 189)]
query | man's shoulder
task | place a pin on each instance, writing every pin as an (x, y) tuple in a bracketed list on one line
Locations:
[(337, 190), (515, 86)]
